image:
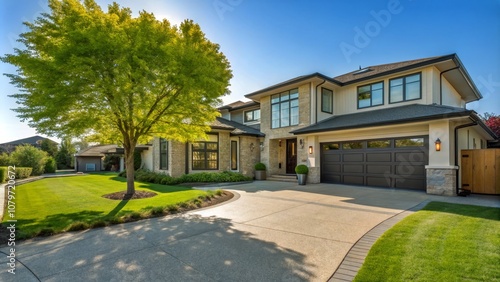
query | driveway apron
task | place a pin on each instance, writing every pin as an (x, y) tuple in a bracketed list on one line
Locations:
[(270, 231)]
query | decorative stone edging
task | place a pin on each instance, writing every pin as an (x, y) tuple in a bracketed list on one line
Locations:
[(352, 262)]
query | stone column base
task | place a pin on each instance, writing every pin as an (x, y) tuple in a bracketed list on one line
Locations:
[(442, 180), (314, 176)]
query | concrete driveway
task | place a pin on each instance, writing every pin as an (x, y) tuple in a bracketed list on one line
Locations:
[(270, 231)]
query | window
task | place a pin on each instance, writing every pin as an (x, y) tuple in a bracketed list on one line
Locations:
[(326, 100), (410, 142), (371, 95), (378, 144), (331, 146), (234, 155), (163, 154), (285, 109), (352, 145), (205, 154), (405, 88), (252, 116), (90, 167)]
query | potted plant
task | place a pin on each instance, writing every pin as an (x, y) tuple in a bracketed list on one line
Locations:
[(301, 171), (260, 171)]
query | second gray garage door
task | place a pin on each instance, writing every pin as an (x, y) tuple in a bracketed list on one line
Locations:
[(394, 163)]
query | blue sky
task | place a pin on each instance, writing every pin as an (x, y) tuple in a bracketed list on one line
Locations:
[(270, 41)]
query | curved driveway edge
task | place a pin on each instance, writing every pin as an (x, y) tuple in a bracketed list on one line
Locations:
[(275, 231)]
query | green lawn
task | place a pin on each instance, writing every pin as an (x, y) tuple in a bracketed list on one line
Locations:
[(442, 242), (54, 205)]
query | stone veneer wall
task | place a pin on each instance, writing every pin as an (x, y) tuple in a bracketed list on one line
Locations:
[(176, 158), (248, 158), (272, 154), (441, 181)]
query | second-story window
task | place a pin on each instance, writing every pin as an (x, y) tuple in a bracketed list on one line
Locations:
[(371, 95), (326, 100), (285, 109), (252, 116), (405, 88)]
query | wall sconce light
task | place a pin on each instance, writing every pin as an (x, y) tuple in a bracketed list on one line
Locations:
[(279, 143), (301, 142), (438, 144), (262, 146), (252, 146), (310, 149)]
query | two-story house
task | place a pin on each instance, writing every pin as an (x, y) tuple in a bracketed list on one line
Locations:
[(398, 125)]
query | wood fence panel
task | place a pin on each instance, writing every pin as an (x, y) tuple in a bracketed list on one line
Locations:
[(466, 167), (480, 170), (489, 172)]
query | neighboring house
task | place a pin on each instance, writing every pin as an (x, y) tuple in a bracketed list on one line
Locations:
[(91, 159), (376, 126), (34, 141)]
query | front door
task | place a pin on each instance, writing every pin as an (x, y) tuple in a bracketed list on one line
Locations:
[(291, 155)]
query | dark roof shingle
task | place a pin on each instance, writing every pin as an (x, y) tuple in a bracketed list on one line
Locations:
[(378, 70), (387, 116), (235, 127)]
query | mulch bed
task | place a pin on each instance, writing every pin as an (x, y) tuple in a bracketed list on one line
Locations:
[(122, 195)]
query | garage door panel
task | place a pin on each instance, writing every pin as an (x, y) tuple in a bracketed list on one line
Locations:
[(353, 179), (409, 183), (398, 167), (416, 157), (354, 168), (380, 169), (332, 168), (378, 181), (379, 157), (409, 170), (331, 178), (331, 158), (353, 157)]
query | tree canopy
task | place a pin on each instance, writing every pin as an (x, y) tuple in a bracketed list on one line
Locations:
[(115, 77), (493, 122)]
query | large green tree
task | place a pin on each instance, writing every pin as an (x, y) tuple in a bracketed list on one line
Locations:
[(119, 78)]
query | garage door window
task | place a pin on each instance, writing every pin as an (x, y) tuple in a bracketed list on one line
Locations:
[(376, 144), (410, 142), (331, 146), (352, 145)]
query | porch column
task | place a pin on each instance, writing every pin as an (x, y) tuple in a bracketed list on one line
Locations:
[(122, 164)]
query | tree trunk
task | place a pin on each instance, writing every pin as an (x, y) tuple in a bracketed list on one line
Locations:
[(129, 163)]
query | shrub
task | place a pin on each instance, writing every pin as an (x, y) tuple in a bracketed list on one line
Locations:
[(3, 174), (260, 166), (29, 156), (301, 169), (50, 165), (23, 172), (5, 159), (160, 178)]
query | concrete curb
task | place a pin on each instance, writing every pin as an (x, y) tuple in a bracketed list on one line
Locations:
[(349, 267)]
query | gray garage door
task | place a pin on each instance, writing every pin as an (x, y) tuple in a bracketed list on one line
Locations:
[(394, 163)]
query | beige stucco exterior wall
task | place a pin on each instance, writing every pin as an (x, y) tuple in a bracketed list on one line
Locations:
[(147, 159), (345, 98)]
